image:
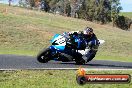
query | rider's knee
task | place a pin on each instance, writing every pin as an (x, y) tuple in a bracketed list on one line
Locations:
[(94, 49)]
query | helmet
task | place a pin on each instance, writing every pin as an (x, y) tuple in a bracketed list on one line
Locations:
[(88, 31)]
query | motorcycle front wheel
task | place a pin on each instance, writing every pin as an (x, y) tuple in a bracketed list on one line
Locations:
[(44, 56)]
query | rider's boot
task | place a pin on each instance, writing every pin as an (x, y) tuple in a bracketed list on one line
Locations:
[(89, 56)]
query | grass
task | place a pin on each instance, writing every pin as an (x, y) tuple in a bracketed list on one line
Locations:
[(114, 58), (26, 32), (127, 14), (51, 79)]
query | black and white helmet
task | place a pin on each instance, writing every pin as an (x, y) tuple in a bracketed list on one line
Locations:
[(88, 30)]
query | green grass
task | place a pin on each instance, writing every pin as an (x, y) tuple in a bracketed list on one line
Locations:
[(26, 32), (53, 79), (114, 58), (19, 52), (127, 14)]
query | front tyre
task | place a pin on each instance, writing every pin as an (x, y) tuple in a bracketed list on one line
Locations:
[(44, 56)]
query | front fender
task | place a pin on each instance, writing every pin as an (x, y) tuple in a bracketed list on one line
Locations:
[(52, 48)]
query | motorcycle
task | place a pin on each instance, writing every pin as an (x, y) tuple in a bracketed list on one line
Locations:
[(65, 48)]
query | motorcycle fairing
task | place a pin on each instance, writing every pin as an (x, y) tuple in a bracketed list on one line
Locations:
[(58, 42)]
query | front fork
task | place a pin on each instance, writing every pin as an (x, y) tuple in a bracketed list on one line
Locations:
[(55, 54)]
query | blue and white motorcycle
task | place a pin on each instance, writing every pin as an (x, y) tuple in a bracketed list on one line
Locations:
[(65, 48)]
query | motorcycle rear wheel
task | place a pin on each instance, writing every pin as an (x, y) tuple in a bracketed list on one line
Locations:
[(79, 60)]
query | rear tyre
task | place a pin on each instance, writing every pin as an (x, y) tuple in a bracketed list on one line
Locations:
[(44, 56), (79, 60)]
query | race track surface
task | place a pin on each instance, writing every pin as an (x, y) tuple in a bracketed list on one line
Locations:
[(28, 62)]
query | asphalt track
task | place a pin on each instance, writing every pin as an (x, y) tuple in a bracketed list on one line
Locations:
[(29, 62)]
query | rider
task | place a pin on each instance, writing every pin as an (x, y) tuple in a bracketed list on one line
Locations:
[(91, 42)]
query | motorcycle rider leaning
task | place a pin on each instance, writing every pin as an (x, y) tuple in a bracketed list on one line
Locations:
[(91, 43)]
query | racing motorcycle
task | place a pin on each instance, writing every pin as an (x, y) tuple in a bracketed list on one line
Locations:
[(65, 48)]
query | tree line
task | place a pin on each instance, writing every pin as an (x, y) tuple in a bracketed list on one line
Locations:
[(100, 11)]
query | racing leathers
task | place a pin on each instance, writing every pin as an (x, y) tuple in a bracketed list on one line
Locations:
[(91, 43)]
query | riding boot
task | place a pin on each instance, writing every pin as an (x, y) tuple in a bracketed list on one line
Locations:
[(89, 56)]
